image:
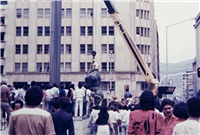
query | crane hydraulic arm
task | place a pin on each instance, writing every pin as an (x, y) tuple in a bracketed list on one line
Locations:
[(152, 82)]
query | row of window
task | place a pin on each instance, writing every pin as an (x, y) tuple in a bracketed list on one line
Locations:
[(142, 14), (67, 68), (142, 31), (68, 31), (68, 49), (144, 49), (65, 13)]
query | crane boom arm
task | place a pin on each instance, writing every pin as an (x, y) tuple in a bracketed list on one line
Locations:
[(153, 82)]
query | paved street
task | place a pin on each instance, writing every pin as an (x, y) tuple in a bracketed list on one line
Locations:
[(4, 132)]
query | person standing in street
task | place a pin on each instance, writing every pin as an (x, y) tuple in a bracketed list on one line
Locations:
[(192, 125), (91, 124), (62, 120), (49, 96), (6, 97), (145, 121), (80, 93), (55, 91), (32, 120), (170, 120)]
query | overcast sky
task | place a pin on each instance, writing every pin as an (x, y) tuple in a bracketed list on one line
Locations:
[(181, 37)]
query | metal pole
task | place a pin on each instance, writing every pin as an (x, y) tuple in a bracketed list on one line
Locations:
[(55, 42), (166, 55), (110, 72)]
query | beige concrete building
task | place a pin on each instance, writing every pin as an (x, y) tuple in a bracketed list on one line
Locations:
[(196, 63), (86, 26)]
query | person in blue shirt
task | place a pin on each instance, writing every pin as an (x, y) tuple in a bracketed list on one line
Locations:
[(127, 94), (62, 91)]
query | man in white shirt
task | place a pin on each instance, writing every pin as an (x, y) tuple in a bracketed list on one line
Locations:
[(55, 91), (88, 95), (192, 124), (114, 117), (79, 100), (48, 98), (124, 119)]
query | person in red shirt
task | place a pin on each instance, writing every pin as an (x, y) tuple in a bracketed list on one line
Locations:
[(170, 120), (145, 121)]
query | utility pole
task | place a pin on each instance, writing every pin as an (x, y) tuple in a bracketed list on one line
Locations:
[(55, 41)]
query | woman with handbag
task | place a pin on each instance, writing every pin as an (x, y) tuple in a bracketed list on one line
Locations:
[(102, 120)]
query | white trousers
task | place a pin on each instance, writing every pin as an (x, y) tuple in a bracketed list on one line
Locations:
[(103, 130), (79, 104)]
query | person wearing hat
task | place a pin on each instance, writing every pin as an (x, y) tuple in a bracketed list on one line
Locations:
[(6, 97)]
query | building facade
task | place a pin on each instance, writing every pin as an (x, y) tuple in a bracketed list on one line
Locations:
[(196, 64), (85, 26)]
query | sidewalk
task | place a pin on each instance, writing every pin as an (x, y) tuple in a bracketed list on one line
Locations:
[(4, 132)]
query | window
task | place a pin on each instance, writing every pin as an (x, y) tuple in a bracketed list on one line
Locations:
[(19, 13), (68, 31), (111, 48), (111, 66), (141, 85), (90, 30), (63, 13), (62, 31), (148, 50), (148, 15), (2, 36), (26, 13), (82, 30), (39, 67), (111, 30), (104, 86), (39, 33), (104, 13), (145, 49), (104, 30), (25, 49), (82, 13), (138, 70), (18, 49), (68, 13), (145, 30), (148, 32), (149, 64), (2, 20), (39, 49), (47, 31), (47, 13), (61, 67), (24, 67), (89, 48), (46, 49), (104, 66), (25, 31), (2, 53), (141, 14), (138, 46), (89, 13), (142, 49), (17, 67), (89, 66), (40, 13), (82, 66), (137, 30), (62, 49), (68, 49), (4, 2), (112, 86), (145, 14), (82, 48), (18, 31), (141, 31), (137, 13), (46, 67), (68, 67), (2, 67), (104, 48)]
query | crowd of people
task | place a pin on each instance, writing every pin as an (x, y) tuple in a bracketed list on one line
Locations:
[(49, 110)]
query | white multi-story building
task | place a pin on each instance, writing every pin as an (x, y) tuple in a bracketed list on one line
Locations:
[(196, 64), (85, 26)]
